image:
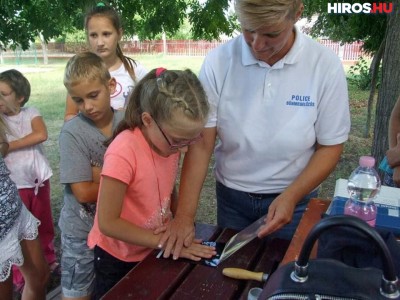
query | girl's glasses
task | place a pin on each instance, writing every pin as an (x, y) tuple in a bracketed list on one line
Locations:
[(179, 145)]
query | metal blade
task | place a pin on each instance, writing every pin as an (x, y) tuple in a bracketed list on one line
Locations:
[(241, 238)]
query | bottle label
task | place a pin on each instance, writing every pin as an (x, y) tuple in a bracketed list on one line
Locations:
[(371, 222)]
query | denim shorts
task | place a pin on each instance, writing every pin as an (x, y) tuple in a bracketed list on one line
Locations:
[(237, 209), (77, 267)]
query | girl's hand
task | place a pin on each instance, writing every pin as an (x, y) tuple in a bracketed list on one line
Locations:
[(178, 234), (196, 251), (160, 229)]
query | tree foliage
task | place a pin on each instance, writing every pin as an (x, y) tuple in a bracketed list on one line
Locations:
[(389, 90), (21, 21), (372, 30), (346, 28)]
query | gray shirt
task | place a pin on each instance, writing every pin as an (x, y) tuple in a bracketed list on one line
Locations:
[(81, 148)]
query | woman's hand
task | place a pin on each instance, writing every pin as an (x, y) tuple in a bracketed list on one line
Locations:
[(280, 213)]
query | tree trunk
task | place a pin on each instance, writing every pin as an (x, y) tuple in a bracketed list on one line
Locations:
[(389, 89), (164, 39), (44, 49), (374, 69)]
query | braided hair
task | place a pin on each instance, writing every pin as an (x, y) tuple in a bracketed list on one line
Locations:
[(161, 95)]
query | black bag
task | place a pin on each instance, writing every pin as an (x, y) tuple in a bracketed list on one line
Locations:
[(325, 278), (355, 249)]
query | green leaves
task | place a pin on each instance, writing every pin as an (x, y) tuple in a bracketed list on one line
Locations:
[(360, 75), (346, 28), (21, 21)]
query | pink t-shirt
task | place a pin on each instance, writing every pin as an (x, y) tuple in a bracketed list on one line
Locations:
[(130, 159)]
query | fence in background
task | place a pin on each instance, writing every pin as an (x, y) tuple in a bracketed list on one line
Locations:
[(346, 52)]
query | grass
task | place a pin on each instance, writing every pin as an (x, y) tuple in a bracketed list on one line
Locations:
[(48, 95)]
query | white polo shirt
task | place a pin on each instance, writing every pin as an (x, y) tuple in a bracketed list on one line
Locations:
[(268, 119)]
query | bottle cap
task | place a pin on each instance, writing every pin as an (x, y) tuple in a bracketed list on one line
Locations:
[(367, 161)]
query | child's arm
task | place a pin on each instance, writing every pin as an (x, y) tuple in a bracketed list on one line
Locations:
[(37, 136), (96, 173), (393, 158), (394, 124), (3, 144), (393, 154), (85, 191), (109, 209), (70, 109)]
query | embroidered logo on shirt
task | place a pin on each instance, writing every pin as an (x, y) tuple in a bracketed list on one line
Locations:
[(118, 90), (298, 100)]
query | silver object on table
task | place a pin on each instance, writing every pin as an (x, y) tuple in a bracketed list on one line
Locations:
[(241, 238)]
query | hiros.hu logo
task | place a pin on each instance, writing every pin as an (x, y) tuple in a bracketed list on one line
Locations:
[(358, 8)]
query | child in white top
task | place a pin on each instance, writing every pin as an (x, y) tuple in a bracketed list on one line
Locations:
[(30, 170), (103, 28), (19, 242)]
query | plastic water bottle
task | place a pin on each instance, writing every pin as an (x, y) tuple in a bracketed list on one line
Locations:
[(363, 186)]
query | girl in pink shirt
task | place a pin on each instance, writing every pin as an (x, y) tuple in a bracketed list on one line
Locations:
[(165, 114)]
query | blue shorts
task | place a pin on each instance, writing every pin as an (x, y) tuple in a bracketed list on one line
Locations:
[(77, 267), (237, 209)]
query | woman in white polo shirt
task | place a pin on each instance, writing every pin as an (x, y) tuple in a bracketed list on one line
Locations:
[(279, 118)]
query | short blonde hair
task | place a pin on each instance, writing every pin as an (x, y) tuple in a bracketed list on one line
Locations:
[(85, 66), (253, 14)]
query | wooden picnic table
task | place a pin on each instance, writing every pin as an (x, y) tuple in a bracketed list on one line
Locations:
[(159, 278)]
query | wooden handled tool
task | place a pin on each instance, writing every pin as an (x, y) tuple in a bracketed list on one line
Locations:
[(238, 273)]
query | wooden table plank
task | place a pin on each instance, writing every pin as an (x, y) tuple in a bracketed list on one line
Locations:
[(312, 215), (267, 262)]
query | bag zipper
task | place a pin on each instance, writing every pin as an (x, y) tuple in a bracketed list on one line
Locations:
[(304, 297)]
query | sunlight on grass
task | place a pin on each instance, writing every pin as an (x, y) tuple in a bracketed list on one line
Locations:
[(170, 62)]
